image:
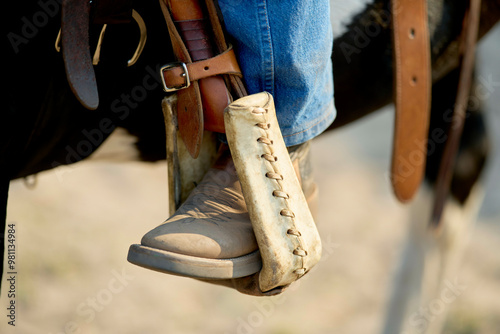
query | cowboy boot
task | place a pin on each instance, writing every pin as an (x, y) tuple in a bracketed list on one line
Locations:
[(210, 237)]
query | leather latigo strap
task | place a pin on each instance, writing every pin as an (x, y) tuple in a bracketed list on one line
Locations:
[(225, 63), (199, 46), (412, 74), (468, 48)]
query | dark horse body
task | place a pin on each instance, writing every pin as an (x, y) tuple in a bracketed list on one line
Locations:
[(44, 126), (47, 127)]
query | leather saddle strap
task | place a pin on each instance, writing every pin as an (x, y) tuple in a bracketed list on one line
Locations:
[(75, 48), (412, 81), (468, 49), (235, 82), (194, 28), (224, 63), (201, 105), (75, 22), (190, 111)]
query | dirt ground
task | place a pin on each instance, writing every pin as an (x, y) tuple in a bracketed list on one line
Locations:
[(74, 228)]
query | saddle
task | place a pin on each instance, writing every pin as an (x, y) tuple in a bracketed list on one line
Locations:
[(206, 80)]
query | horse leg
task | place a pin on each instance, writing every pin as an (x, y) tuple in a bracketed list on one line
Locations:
[(427, 280), (406, 285), (442, 281), (429, 266)]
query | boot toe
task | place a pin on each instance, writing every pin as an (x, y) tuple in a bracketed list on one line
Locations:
[(202, 238)]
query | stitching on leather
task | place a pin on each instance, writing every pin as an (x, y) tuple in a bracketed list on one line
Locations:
[(280, 193)]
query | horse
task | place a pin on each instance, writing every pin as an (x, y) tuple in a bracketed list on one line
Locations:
[(51, 129)]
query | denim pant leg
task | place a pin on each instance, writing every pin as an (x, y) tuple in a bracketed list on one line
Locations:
[(284, 47)]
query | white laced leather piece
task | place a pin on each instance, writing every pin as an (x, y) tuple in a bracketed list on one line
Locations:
[(288, 240)]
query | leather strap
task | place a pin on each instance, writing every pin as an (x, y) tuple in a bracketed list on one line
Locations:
[(412, 82), (190, 18), (190, 111), (112, 11), (201, 105), (235, 83), (225, 63), (75, 47), (468, 48), (75, 21)]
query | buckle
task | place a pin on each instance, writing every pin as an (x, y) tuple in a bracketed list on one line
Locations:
[(185, 75), (97, 54)]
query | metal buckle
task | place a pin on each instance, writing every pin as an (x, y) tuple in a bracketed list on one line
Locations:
[(187, 82), (140, 47), (138, 51)]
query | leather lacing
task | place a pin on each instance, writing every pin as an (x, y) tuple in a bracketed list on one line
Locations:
[(279, 193)]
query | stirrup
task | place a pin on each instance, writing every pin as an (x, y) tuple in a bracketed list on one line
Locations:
[(288, 240)]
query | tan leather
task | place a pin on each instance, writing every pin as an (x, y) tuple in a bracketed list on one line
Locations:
[(202, 104), (209, 237), (212, 223), (236, 84), (225, 63), (167, 255), (186, 10), (412, 74), (190, 121), (190, 20), (288, 240), (468, 48)]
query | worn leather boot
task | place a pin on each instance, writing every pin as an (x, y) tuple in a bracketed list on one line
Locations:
[(210, 236)]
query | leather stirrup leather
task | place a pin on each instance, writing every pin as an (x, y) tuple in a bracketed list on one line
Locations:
[(412, 95), (202, 57)]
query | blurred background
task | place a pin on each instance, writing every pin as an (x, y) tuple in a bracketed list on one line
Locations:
[(74, 229)]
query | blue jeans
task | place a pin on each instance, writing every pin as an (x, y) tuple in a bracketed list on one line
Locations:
[(284, 47)]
